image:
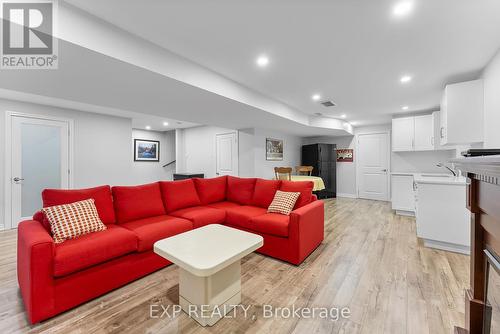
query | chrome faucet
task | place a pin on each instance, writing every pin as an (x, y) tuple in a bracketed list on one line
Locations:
[(442, 165)]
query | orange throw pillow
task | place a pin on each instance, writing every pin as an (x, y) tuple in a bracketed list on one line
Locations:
[(283, 202), (70, 221)]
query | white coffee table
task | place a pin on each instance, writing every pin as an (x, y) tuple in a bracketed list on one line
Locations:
[(209, 268)]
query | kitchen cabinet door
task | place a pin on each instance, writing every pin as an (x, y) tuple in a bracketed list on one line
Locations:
[(424, 133), (403, 132)]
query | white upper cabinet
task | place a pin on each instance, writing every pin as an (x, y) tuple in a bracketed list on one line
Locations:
[(403, 130), (415, 133), (424, 133), (462, 108)]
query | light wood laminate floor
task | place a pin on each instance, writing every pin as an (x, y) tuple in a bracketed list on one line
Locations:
[(370, 261)]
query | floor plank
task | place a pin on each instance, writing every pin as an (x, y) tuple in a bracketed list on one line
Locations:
[(370, 262)]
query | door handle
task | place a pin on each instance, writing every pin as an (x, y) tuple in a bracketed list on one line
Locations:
[(384, 170), (17, 179)]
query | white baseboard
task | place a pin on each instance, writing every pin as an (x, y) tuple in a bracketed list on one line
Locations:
[(446, 246), (347, 195), (405, 213)]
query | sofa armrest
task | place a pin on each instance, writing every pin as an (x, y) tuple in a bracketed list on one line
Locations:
[(307, 227), (35, 253)]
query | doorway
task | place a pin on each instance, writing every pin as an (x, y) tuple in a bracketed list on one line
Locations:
[(226, 148), (373, 166), (38, 156)]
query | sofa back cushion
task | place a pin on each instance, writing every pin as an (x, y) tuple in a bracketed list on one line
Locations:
[(264, 192), (211, 190), (101, 195), (304, 187), (240, 190), (137, 202), (179, 194)]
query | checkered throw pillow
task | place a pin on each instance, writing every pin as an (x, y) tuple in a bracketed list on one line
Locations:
[(70, 221), (283, 202)]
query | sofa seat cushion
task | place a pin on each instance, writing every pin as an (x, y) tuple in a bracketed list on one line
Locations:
[(270, 223), (201, 215), (137, 202), (101, 195), (241, 215), (92, 249), (150, 230), (224, 205)]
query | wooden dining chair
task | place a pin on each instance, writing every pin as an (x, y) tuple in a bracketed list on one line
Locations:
[(304, 170), (283, 173)]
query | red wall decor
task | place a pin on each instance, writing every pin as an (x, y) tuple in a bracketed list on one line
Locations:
[(345, 155)]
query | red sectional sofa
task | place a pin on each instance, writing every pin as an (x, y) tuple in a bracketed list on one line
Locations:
[(56, 277)]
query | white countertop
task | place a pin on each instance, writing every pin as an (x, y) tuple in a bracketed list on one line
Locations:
[(208, 249), (434, 178)]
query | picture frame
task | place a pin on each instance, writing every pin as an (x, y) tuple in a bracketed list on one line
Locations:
[(146, 150), (274, 149)]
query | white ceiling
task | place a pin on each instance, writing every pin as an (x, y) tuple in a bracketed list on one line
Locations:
[(350, 51)]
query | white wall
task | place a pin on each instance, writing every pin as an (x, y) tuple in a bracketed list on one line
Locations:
[(196, 149), (491, 77), (292, 146), (400, 162), (102, 148), (147, 171)]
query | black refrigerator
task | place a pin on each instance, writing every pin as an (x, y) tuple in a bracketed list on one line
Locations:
[(323, 157)]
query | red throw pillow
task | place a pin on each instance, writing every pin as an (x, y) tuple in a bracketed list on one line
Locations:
[(179, 194), (101, 196), (211, 190), (264, 192), (70, 221), (283, 202), (136, 202), (240, 190), (304, 187)]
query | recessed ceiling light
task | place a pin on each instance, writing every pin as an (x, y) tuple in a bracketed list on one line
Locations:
[(165, 123), (262, 61), (343, 116), (148, 127), (316, 97), (405, 79), (402, 8), (405, 107)]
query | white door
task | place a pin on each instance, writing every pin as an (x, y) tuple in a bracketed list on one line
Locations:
[(424, 133), (39, 159), (227, 154), (403, 131), (373, 166)]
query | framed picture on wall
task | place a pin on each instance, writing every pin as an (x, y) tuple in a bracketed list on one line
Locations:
[(146, 150), (274, 149)]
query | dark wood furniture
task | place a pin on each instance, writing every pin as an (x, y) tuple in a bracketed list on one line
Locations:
[(483, 200), (323, 159), (183, 176), (279, 172)]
